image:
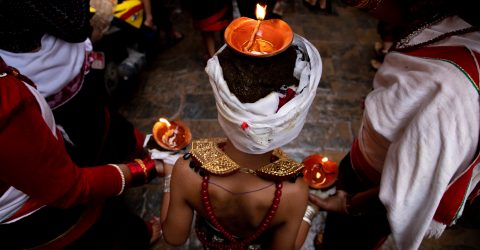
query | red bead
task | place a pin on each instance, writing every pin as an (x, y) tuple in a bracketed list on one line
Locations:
[(244, 125), (279, 185), (278, 193), (276, 201)]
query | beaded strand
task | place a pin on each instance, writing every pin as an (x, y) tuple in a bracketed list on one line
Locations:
[(234, 242)]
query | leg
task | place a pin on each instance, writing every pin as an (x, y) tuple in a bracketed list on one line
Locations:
[(208, 38)]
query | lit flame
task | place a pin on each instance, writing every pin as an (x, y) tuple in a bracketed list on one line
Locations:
[(324, 159), (163, 120), (318, 175), (260, 11)]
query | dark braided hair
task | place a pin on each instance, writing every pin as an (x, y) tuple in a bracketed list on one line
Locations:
[(24, 22)]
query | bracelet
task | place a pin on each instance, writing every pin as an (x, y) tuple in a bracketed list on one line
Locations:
[(122, 176), (166, 183), (310, 213), (142, 171), (142, 165)]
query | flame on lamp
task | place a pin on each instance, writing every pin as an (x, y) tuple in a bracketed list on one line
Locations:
[(163, 120), (260, 11)]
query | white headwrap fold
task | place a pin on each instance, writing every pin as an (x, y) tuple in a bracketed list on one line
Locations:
[(256, 128)]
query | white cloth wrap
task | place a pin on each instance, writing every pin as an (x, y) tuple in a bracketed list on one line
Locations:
[(420, 130), (266, 129), (53, 66)]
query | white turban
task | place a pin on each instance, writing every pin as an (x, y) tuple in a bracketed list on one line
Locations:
[(257, 128)]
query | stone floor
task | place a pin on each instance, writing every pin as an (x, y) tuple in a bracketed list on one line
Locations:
[(174, 85)]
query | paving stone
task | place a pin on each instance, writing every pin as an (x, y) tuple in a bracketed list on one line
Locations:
[(174, 85)]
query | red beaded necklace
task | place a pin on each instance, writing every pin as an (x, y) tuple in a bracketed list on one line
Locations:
[(235, 243)]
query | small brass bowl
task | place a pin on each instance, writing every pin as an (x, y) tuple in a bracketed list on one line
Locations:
[(173, 138), (273, 36)]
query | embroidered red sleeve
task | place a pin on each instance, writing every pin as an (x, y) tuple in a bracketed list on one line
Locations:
[(35, 162)]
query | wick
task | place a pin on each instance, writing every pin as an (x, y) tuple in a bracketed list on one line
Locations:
[(252, 37)]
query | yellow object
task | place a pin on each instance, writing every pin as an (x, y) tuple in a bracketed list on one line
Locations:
[(215, 161), (131, 11)]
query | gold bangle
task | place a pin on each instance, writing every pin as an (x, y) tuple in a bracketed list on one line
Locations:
[(142, 165)]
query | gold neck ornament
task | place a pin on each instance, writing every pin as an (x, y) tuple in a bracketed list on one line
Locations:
[(210, 157)]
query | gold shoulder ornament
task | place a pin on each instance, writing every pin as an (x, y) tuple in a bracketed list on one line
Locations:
[(210, 157)]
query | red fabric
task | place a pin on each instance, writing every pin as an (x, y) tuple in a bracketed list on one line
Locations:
[(457, 54), (139, 138), (35, 162), (452, 199), (214, 22), (365, 171), (88, 218), (289, 95)]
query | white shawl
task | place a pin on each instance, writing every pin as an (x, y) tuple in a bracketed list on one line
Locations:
[(420, 129)]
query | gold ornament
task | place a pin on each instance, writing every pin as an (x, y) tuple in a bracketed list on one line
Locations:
[(212, 159)]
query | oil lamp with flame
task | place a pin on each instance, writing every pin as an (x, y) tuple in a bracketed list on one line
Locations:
[(260, 12), (258, 38), (172, 136), (319, 172)]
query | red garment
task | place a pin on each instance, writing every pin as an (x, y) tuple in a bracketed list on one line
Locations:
[(34, 161)]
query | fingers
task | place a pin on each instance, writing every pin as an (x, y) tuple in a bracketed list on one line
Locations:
[(335, 203), (317, 201)]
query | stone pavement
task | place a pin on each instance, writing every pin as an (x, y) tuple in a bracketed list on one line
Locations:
[(175, 86)]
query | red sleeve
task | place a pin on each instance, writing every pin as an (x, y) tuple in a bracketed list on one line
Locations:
[(35, 162)]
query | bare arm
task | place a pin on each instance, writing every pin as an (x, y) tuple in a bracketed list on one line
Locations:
[(293, 232), (176, 214), (302, 234)]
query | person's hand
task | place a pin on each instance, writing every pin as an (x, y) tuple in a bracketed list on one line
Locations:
[(336, 203), (148, 22)]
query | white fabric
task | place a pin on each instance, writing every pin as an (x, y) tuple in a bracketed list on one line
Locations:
[(53, 66), (266, 129), (12, 200), (167, 157), (422, 121)]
